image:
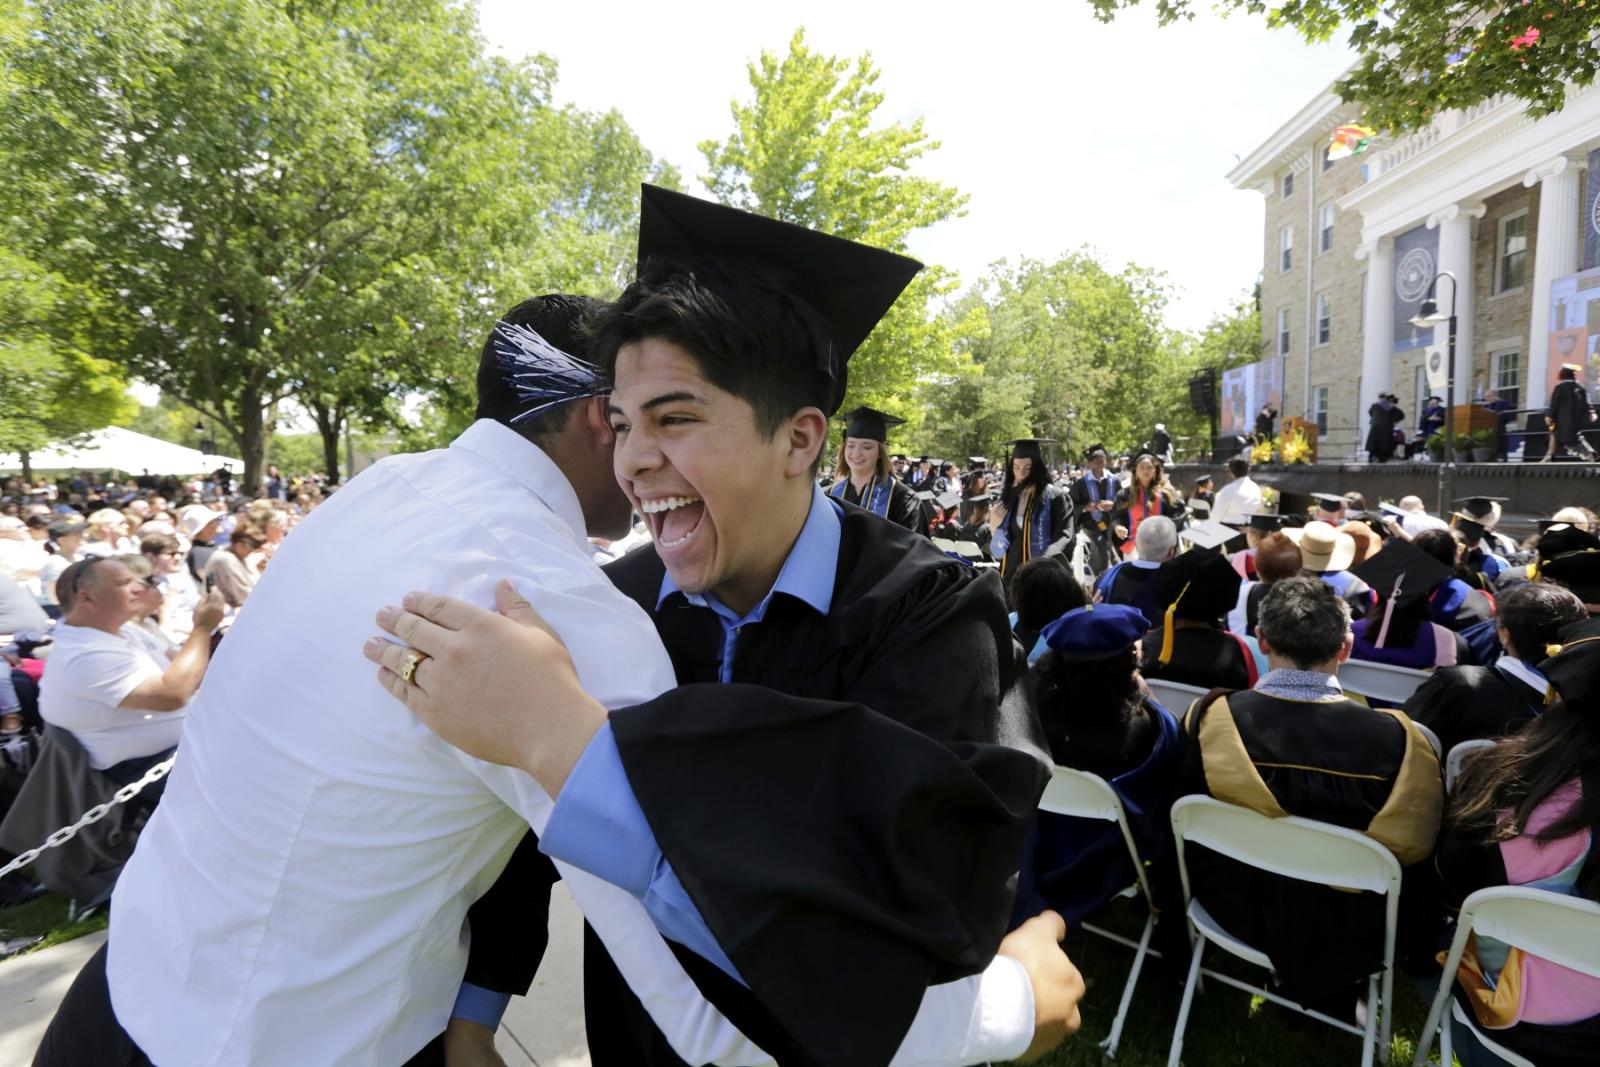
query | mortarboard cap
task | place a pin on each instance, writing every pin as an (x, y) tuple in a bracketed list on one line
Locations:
[(976, 463), (840, 288), (1263, 521), (1417, 573), (926, 495), (1329, 501), (1470, 528), (1200, 585), (1208, 534), (1481, 507), (1030, 448), (869, 423), (1392, 511), (1095, 631), (948, 501), (1573, 669), (1560, 538)]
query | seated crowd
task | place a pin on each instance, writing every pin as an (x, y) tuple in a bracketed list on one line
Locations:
[(1495, 650), (112, 599)]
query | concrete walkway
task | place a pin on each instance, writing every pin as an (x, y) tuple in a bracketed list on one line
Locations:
[(543, 1029)]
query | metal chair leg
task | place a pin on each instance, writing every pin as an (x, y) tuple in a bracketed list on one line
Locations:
[(1175, 1055)]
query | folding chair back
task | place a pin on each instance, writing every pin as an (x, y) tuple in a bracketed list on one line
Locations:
[(1561, 929), (1174, 696), (1433, 738), (1088, 796), (1452, 762), (1380, 681)]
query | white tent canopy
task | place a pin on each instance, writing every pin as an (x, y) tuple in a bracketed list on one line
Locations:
[(116, 449)]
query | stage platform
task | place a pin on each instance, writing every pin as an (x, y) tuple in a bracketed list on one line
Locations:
[(1533, 490)]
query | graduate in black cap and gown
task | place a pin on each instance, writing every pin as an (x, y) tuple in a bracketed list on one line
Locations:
[(841, 823), (1195, 591), (1031, 515), (862, 475), (1571, 415)]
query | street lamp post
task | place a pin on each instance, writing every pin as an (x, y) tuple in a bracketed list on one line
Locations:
[(1428, 315)]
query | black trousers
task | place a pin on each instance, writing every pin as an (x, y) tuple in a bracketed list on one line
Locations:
[(85, 1031)]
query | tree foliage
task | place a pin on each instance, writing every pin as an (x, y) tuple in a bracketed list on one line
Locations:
[(1423, 57), (807, 148), (328, 200)]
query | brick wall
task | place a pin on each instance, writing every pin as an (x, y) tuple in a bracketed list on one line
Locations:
[(1501, 319)]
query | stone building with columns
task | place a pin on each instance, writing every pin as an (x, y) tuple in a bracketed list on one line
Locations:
[(1491, 195)]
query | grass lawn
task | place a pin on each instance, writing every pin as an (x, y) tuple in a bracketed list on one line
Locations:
[(48, 916), (1226, 1026)]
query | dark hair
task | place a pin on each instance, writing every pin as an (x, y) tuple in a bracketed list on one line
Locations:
[(155, 544), (1074, 694), (1277, 558), (1304, 620), (248, 533), (1238, 466), (1038, 479), (559, 319), (747, 338), (1520, 773), (1044, 590), (1567, 374), (1404, 624), (1441, 545), (1533, 614)]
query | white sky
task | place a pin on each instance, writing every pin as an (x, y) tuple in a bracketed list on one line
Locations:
[(1064, 132)]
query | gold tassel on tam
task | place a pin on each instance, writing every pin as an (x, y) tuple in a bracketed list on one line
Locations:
[(1166, 626)]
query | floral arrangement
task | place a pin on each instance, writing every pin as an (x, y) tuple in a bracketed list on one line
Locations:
[(1293, 447), (1269, 498), (1262, 451)]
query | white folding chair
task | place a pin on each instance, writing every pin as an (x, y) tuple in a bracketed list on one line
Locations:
[(1087, 796), (1433, 738), (1459, 752), (1561, 929), (1294, 848), (1380, 681), (1174, 696)]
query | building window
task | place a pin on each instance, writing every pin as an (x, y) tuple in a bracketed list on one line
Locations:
[(1285, 249), (1506, 374), (1283, 331), (1325, 226), (1511, 262), (1288, 185), (1319, 407), (1324, 318)]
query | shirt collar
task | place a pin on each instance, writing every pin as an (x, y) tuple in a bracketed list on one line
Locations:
[(808, 572), (526, 464), (1296, 684)]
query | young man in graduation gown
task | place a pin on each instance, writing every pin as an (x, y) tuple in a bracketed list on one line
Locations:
[(1467, 702), (862, 475), (1570, 416), (1032, 516), (1094, 498), (832, 834)]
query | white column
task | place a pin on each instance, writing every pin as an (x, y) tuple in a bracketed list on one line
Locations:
[(1377, 328), (1454, 224), (1555, 255)]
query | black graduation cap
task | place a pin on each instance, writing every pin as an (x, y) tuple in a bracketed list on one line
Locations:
[(1329, 501), (869, 423), (1199, 584), (1470, 527), (1030, 448), (948, 501), (1089, 452), (925, 495), (1417, 573), (1263, 521), (1208, 534), (1562, 538), (840, 287), (976, 463), (1573, 668), (1480, 507)]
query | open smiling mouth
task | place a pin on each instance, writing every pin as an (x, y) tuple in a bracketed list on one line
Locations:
[(673, 520)]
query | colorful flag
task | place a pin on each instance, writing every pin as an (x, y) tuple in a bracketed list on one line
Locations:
[(1350, 140)]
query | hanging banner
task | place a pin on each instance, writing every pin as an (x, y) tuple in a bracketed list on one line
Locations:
[(1591, 212), (1416, 258)]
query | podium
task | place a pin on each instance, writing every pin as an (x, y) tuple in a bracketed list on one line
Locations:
[(1291, 424), (1470, 418)]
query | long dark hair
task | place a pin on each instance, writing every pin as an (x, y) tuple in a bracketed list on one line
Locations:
[(1520, 773), (1038, 480), (1076, 696)]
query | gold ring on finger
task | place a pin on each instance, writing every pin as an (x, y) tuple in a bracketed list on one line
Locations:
[(408, 673)]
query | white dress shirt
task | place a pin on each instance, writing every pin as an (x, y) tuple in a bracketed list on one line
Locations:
[(87, 677), (299, 895), (1238, 498)]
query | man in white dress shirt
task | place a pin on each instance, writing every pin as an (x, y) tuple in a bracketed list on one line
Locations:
[(1240, 498), (299, 896)]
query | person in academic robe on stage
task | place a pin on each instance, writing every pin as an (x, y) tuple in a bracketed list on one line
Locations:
[(1099, 718), (1382, 417), (1141, 498), (1094, 499), (1266, 420), (1194, 591), (862, 475), (826, 826), (1465, 703), (1031, 515), (1570, 416)]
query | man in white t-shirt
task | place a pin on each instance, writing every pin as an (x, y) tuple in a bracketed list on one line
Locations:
[(1240, 498), (124, 705)]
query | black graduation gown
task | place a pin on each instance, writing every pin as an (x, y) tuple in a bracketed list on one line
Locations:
[(1466, 703), (849, 832), (1570, 411), (1019, 550), (903, 509), (1210, 659), (1380, 431)]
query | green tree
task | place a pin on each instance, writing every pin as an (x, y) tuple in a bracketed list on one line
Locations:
[(51, 390), (806, 149), (292, 197), (1422, 57)]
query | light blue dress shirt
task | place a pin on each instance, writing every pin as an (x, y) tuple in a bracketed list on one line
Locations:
[(597, 824)]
